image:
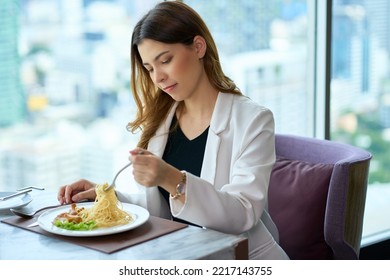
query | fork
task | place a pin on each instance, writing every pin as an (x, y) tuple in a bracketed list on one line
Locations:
[(123, 168), (14, 194), (116, 176)]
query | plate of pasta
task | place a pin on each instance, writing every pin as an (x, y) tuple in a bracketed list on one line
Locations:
[(106, 215)]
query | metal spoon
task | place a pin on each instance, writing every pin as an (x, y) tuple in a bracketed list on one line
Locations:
[(31, 214)]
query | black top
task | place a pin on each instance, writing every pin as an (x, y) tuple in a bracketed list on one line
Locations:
[(184, 154)]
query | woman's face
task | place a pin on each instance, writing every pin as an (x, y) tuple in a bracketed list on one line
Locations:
[(174, 68)]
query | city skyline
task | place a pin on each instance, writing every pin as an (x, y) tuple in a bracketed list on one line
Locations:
[(75, 75)]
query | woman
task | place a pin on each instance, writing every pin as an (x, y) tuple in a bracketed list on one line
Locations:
[(206, 151)]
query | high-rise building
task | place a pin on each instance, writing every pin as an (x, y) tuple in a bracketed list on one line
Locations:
[(359, 48), (228, 23), (12, 101)]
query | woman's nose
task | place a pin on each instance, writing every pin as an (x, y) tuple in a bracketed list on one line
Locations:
[(159, 76)]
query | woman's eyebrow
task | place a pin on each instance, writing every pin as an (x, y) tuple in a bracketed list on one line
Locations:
[(157, 57)]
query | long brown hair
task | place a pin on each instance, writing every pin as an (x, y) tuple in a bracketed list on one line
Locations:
[(168, 22)]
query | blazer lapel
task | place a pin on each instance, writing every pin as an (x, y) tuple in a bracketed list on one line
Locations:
[(219, 122)]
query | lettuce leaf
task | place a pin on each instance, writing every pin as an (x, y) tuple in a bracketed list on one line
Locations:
[(73, 226)]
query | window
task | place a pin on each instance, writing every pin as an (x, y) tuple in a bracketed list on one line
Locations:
[(264, 48), (64, 90), (64, 82), (360, 97)]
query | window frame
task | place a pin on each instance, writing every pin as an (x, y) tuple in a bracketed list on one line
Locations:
[(320, 42)]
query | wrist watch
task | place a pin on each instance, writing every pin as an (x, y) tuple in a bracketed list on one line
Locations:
[(181, 187)]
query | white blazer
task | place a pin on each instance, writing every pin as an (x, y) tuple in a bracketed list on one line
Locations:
[(231, 193)]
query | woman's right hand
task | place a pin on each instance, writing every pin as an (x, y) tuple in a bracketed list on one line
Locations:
[(77, 191)]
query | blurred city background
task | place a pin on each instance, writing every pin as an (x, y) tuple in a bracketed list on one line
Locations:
[(64, 82)]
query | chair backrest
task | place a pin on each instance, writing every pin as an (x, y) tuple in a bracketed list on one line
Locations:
[(317, 197)]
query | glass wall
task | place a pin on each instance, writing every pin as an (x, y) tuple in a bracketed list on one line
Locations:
[(360, 95), (64, 90), (64, 82), (264, 49), (69, 89)]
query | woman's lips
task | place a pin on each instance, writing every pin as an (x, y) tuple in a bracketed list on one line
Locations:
[(169, 88)]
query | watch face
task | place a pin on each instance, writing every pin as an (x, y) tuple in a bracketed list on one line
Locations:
[(181, 188)]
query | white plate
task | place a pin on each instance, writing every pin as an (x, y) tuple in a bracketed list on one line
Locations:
[(45, 221), (15, 202)]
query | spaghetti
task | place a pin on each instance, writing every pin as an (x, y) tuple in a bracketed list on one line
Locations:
[(106, 211)]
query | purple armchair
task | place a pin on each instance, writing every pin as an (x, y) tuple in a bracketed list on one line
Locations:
[(317, 197)]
